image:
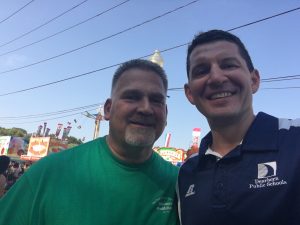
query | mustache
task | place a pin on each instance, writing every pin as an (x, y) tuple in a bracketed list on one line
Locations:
[(145, 120)]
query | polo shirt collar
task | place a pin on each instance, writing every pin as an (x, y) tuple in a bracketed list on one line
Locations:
[(261, 136)]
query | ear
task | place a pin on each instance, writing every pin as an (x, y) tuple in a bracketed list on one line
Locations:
[(188, 94), (166, 110), (107, 108), (255, 78), (167, 116)]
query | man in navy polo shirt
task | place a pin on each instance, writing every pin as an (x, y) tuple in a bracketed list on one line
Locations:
[(247, 171)]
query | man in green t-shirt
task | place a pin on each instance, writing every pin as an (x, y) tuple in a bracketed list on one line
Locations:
[(113, 180)]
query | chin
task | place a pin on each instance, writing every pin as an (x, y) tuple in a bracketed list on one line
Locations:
[(140, 138), (222, 116)]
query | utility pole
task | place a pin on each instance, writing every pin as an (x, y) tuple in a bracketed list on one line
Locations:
[(98, 117)]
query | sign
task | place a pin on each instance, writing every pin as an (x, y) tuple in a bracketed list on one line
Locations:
[(38, 146), (4, 144), (43, 146), (16, 147), (57, 145), (173, 155)]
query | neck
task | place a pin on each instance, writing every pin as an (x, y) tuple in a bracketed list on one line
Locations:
[(129, 153), (228, 135)]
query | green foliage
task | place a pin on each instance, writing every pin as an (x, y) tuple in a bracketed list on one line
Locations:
[(74, 140), (17, 132)]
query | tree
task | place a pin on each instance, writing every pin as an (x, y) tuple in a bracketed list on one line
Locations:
[(17, 132), (74, 140)]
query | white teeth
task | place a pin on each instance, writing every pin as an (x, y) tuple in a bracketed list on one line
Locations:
[(221, 95)]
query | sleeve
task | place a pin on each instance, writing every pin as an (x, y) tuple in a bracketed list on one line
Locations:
[(16, 204)]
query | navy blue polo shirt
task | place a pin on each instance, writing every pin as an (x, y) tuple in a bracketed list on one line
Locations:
[(257, 183)]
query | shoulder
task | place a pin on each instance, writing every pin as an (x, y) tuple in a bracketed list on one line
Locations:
[(65, 160), (163, 168), (288, 124), (189, 165), (289, 133)]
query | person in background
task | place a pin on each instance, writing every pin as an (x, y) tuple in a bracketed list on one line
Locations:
[(4, 163), (247, 170), (116, 179)]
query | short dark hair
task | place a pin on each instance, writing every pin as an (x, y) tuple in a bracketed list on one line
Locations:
[(4, 163), (143, 65), (218, 35)]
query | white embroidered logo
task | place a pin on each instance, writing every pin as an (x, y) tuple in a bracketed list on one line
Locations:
[(190, 191), (267, 176), (268, 169), (163, 204)]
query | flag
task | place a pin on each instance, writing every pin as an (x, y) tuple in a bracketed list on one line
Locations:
[(196, 137), (66, 132), (58, 129), (47, 132), (168, 138), (38, 132), (44, 131)]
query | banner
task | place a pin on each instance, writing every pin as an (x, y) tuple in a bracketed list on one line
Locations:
[(66, 132), (16, 147), (38, 132), (38, 146), (47, 132), (196, 137), (4, 144), (168, 138), (44, 130), (58, 129)]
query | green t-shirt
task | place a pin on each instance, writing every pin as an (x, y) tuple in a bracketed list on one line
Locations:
[(88, 185)]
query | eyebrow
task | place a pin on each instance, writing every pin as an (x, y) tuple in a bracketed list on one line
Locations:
[(138, 92)]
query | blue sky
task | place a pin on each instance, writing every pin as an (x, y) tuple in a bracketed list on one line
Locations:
[(273, 45)]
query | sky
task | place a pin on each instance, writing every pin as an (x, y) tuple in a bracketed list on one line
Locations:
[(31, 56)]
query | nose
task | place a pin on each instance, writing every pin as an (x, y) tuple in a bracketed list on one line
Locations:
[(216, 76), (145, 107)]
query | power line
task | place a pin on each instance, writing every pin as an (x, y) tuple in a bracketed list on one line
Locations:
[(100, 40), (271, 79), (66, 29), (51, 113), (52, 118), (283, 78), (111, 66), (59, 81), (265, 88), (44, 24), (267, 18), (96, 106), (14, 13)]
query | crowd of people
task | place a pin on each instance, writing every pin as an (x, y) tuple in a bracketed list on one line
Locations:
[(10, 171), (247, 169)]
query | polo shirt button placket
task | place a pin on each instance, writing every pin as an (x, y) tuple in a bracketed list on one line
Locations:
[(218, 187), (219, 207)]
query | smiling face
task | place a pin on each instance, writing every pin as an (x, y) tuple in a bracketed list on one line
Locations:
[(137, 109), (220, 83)]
